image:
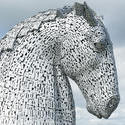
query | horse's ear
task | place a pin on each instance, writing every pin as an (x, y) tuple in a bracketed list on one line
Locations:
[(84, 10), (78, 8)]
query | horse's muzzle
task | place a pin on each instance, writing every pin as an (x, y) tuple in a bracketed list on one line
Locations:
[(106, 110), (110, 107)]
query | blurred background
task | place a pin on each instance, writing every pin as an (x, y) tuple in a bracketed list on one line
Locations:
[(113, 11)]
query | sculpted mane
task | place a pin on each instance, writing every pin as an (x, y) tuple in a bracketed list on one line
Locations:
[(21, 30)]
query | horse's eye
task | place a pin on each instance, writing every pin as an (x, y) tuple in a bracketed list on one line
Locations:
[(101, 45)]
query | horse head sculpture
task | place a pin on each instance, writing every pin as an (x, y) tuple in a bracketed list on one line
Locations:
[(39, 54), (89, 60)]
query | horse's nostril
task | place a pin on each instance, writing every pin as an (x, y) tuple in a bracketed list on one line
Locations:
[(113, 103)]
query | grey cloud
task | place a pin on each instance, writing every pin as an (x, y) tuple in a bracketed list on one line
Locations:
[(77, 94)]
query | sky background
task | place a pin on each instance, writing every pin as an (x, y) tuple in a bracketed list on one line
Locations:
[(14, 11)]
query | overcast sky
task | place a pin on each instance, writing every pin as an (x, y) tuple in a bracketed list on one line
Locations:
[(14, 11)]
